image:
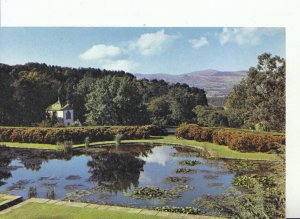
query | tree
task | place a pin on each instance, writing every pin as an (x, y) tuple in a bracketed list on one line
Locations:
[(6, 96), (211, 116), (115, 101), (78, 99), (182, 101), (160, 112), (259, 100), (27, 90), (33, 92)]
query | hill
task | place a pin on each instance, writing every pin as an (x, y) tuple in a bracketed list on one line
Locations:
[(215, 83)]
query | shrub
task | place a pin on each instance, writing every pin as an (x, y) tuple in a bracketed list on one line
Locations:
[(87, 142), (247, 141), (244, 141), (66, 147), (194, 132), (118, 139), (77, 135)]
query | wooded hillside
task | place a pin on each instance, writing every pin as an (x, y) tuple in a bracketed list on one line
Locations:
[(27, 90)]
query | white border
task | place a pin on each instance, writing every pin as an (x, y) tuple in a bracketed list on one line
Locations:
[(188, 13)]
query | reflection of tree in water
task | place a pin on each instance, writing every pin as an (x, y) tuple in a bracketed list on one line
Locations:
[(4, 169), (190, 152), (34, 161), (33, 164), (116, 171), (31, 159), (135, 150)]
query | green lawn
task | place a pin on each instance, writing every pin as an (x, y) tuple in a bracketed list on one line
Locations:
[(216, 150), (38, 211), (1, 198), (29, 145)]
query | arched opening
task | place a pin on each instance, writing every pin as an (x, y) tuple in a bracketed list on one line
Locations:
[(68, 115)]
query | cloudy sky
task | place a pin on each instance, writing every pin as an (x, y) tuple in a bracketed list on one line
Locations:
[(142, 50)]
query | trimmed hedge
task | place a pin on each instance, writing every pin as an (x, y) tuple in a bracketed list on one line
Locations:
[(194, 132), (235, 139), (76, 135)]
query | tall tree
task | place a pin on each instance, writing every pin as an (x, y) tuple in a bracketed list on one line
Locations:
[(160, 111), (26, 91), (211, 116), (6, 96), (182, 101), (115, 101), (259, 100)]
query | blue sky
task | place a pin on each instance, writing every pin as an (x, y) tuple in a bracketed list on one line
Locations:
[(142, 50)]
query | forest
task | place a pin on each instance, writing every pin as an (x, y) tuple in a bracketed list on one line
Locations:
[(101, 97)]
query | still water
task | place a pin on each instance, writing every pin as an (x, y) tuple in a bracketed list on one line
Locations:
[(105, 175)]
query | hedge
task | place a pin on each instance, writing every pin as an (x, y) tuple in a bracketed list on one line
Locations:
[(194, 132), (243, 141), (76, 135)]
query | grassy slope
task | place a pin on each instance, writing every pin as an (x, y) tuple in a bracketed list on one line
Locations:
[(216, 150), (35, 211)]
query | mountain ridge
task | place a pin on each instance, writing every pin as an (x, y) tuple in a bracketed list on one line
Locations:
[(216, 83)]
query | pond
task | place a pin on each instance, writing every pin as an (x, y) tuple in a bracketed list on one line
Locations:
[(111, 175)]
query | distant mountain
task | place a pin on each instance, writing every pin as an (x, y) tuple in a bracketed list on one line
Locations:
[(216, 83)]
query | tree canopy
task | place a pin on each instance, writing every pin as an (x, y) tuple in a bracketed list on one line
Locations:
[(211, 116), (259, 100), (115, 101), (98, 96)]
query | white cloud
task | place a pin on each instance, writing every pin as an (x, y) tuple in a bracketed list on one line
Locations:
[(199, 42), (242, 36), (152, 43), (122, 64), (100, 51), (111, 57)]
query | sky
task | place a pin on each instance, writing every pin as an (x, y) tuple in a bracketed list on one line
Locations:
[(141, 50)]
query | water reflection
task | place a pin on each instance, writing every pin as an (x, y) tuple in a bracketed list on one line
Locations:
[(4, 169), (31, 160), (103, 174), (118, 172), (159, 155)]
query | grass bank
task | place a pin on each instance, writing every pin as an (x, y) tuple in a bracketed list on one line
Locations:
[(54, 211), (2, 198), (219, 151), (29, 145)]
